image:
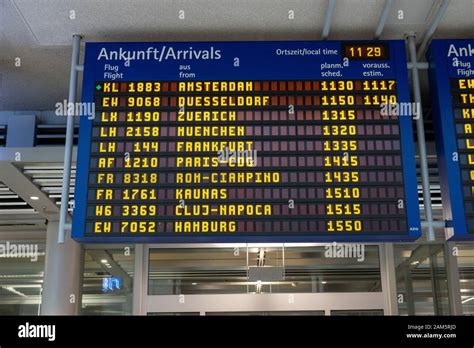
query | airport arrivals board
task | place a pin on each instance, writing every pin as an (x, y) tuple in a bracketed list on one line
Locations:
[(452, 97), (291, 141)]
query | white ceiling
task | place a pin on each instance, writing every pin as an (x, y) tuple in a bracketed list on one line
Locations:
[(39, 31)]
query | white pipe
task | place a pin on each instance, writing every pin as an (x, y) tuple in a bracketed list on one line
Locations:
[(327, 19), (420, 128), (383, 18), (431, 29), (63, 212)]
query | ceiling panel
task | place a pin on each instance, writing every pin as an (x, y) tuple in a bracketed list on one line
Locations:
[(110, 20)]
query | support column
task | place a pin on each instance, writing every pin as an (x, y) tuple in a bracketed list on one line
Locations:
[(435, 285), (140, 289), (409, 295), (62, 274), (388, 278), (452, 274)]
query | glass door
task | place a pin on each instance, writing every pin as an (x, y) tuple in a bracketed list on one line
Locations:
[(265, 279)]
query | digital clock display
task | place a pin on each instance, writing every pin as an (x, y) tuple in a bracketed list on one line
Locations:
[(366, 51), (256, 146)]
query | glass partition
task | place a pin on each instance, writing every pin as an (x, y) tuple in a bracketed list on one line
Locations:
[(350, 267), (264, 269), (197, 271), (108, 281), (421, 279), (465, 257), (21, 277)]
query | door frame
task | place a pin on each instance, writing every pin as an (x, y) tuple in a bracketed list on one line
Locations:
[(143, 303)]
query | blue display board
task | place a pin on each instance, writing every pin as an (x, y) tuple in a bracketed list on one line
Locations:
[(452, 98), (246, 142)]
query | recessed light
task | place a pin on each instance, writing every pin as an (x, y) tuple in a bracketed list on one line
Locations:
[(34, 198), (195, 283), (103, 261), (324, 282)]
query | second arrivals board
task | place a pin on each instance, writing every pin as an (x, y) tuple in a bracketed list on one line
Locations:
[(246, 142), (452, 97)]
